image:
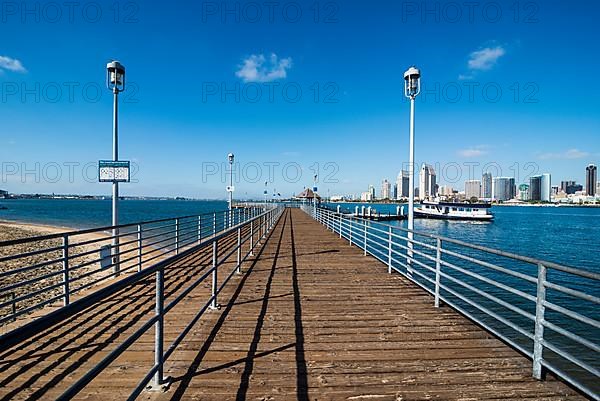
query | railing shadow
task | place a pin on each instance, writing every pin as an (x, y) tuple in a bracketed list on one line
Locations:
[(192, 370), (138, 298)]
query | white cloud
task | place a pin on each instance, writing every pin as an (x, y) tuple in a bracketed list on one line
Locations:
[(11, 64), (476, 151), (485, 58), (257, 68), (570, 154)]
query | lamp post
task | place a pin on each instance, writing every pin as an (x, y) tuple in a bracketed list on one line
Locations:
[(315, 194), (412, 88), (115, 81), (230, 157), (266, 192)]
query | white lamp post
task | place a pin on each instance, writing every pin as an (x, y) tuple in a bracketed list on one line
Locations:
[(115, 81), (315, 195), (412, 88), (266, 192), (230, 157)]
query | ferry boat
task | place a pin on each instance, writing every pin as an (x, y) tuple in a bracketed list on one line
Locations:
[(454, 211)]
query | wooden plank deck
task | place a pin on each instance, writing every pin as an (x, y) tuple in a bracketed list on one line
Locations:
[(310, 318)]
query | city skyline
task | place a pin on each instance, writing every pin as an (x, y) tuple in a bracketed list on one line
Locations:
[(478, 103)]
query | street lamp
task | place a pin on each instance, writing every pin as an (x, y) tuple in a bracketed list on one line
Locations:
[(230, 157), (115, 81), (315, 195), (412, 88), (266, 192)]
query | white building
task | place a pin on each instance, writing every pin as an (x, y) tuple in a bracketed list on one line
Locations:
[(386, 189), (546, 187), (402, 182), (473, 189), (446, 190), (427, 182), (366, 197)]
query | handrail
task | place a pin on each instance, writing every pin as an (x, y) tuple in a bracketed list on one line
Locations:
[(490, 295), (257, 227), (73, 264)]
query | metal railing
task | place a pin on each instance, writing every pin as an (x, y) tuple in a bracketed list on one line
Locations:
[(43, 270), (546, 311), (247, 232)]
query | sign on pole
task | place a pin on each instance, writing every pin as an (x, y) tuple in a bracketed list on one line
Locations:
[(111, 171)]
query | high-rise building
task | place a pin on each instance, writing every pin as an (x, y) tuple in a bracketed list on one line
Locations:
[(598, 188), (395, 191), (445, 190), (473, 189), (372, 191), (591, 180), (523, 192), (503, 188), (540, 187), (402, 182), (573, 189), (427, 182), (486, 186), (555, 190), (564, 186), (386, 189), (546, 187), (535, 188)]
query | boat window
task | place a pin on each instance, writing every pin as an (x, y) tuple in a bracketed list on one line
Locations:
[(468, 209), (461, 209), (454, 209)]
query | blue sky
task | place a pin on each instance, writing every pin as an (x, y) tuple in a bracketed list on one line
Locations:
[(295, 88)]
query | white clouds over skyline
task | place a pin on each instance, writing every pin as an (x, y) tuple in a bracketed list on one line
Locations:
[(11, 64), (257, 68), (570, 154), (476, 151)]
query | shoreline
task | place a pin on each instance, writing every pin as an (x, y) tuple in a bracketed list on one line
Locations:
[(42, 228)]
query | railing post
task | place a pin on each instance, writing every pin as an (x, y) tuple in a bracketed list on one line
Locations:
[(252, 238), (239, 250), (340, 225), (13, 306), (214, 304), (351, 224), (389, 249), (438, 268), (140, 246), (199, 229), (365, 229), (65, 263), (176, 236), (214, 223), (538, 338), (159, 328)]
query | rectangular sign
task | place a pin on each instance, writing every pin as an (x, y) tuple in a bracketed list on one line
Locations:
[(111, 171)]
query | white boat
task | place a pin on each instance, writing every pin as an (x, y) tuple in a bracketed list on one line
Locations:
[(454, 211)]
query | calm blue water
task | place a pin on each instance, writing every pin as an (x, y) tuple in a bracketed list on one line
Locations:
[(566, 235), (77, 213)]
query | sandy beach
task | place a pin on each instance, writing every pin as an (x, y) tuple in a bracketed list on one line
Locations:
[(10, 230)]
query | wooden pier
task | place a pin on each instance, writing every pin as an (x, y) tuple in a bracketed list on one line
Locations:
[(309, 318)]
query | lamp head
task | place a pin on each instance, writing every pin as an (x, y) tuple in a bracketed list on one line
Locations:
[(115, 76), (230, 157), (412, 82)]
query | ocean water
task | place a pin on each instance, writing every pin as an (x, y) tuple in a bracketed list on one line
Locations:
[(565, 235), (79, 214)]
